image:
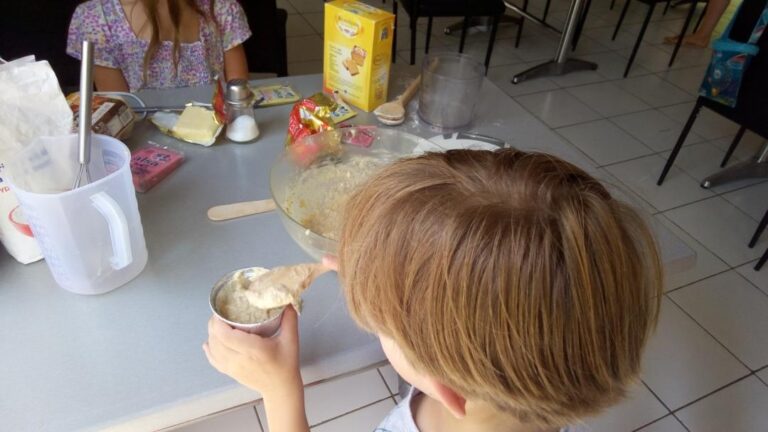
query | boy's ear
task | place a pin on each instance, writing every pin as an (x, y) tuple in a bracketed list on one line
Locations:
[(450, 398)]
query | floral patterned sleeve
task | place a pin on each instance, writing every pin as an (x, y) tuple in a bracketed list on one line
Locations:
[(233, 23), (88, 22)]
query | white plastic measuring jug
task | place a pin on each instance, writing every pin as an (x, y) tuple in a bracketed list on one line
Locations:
[(91, 237)]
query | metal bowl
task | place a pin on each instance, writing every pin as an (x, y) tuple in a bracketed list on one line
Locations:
[(337, 147), (266, 328)]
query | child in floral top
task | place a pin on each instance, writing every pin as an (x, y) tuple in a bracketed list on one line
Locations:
[(161, 43)]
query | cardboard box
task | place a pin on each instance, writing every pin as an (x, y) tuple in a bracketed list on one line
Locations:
[(357, 52)]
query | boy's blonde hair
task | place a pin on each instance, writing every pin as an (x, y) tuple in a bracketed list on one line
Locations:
[(512, 277)]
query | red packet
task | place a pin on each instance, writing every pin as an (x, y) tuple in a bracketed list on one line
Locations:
[(152, 163)]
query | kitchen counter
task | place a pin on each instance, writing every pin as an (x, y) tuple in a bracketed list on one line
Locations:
[(132, 359)]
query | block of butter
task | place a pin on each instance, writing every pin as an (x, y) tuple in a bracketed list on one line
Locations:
[(195, 125)]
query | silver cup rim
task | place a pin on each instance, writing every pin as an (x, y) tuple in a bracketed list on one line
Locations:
[(212, 303)]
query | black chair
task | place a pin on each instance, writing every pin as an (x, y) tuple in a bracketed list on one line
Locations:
[(651, 6), (40, 28), (449, 8), (751, 110), (266, 49)]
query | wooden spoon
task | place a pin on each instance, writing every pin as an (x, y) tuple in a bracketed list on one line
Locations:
[(393, 113), (283, 285), (236, 210)]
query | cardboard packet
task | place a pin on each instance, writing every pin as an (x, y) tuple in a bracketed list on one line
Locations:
[(277, 95), (357, 52), (111, 115)]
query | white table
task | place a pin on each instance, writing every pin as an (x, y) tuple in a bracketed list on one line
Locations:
[(132, 359)]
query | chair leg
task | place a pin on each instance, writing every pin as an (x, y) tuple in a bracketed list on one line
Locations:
[(680, 141), (639, 38), (701, 18), (613, 3), (687, 23), (429, 34), (759, 231), (464, 29), (413, 39), (621, 19), (580, 24), (520, 26), (491, 42), (394, 32), (762, 261), (666, 7), (546, 11), (734, 143)]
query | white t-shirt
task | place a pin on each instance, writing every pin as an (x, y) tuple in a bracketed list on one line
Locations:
[(400, 419)]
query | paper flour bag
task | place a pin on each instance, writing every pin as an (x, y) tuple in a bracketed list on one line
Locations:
[(31, 105)]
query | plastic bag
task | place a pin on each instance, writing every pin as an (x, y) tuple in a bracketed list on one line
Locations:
[(31, 105)]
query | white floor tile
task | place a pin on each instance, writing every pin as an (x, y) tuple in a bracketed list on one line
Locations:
[(502, 77), (688, 79), (650, 57), (655, 91), (365, 419), (708, 125), (297, 25), (654, 129), (286, 6), (338, 397), (620, 191), (624, 40), (537, 48), (608, 99), (611, 65), (390, 378), (557, 108), (740, 407), (641, 174), (683, 363), (638, 409), (305, 48), (758, 278), (604, 142), (721, 227), (303, 6), (240, 420), (747, 148), (734, 311), (706, 263), (316, 20), (752, 200), (667, 424), (763, 375), (702, 160)]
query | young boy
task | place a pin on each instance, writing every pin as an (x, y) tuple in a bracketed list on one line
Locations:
[(508, 287)]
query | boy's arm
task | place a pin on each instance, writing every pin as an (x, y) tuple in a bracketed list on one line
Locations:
[(267, 365), (285, 409)]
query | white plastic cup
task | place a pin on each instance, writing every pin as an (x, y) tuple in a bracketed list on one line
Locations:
[(450, 89), (91, 237)]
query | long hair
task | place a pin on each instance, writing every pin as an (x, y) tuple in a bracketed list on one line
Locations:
[(513, 277), (174, 10)]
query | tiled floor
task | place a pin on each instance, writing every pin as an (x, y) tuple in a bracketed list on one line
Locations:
[(706, 368)]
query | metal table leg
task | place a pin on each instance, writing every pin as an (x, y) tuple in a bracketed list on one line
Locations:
[(561, 64), (757, 167)]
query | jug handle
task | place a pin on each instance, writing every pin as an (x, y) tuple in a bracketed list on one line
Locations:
[(118, 229)]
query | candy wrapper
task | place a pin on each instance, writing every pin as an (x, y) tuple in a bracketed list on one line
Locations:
[(308, 117), (152, 163)]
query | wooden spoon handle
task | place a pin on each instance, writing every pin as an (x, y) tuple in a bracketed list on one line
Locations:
[(411, 90), (236, 210)]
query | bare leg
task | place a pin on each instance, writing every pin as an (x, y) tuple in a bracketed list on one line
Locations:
[(701, 37)]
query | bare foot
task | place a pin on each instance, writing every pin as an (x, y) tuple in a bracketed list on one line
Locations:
[(693, 40)]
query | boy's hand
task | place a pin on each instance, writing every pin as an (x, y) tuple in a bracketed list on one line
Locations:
[(331, 262), (267, 365)]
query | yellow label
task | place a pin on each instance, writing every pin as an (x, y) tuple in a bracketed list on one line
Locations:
[(357, 52)]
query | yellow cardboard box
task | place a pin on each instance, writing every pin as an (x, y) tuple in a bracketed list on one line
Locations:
[(357, 52)]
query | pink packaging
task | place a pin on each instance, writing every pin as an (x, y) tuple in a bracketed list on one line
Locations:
[(152, 163)]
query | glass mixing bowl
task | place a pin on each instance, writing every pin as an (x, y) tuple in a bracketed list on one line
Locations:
[(298, 202)]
